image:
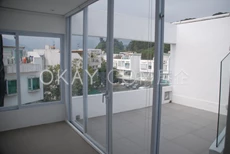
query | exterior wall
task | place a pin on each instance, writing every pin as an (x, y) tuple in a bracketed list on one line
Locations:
[(122, 101), (26, 70), (197, 55), (96, 59), (28, 21), (27, 96), (135, 65)]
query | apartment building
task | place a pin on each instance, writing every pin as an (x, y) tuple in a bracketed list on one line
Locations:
[(30, 69), (147, 68), (130, 66), (95, 57)]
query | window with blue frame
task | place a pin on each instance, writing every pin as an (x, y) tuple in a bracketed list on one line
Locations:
[(11, 87), (33, 84)]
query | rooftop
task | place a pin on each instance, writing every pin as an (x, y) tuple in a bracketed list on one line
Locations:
[(184, 130)]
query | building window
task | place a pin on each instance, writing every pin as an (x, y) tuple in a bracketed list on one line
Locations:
[(33, 84), (11, 87), (123, 64), (149, 65), (127, 73), (143, 66), (119, 63), (165, 68), (127, 65)]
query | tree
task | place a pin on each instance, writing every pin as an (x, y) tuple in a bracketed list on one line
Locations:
[(145, 48), (102, 74), (147, 54), (138, 46), (101, 45), (51, 91), (118, 45)]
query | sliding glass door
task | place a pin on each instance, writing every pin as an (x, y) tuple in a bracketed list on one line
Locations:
[(89, 78)]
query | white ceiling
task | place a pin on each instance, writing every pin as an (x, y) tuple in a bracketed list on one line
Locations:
[(59, 7)]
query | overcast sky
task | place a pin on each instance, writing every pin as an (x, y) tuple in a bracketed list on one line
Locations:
[(174, 9)]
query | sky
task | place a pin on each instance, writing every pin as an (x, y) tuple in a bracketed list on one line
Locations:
[(175, 10)]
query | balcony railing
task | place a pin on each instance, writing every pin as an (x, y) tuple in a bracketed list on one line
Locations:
[(24, 68)]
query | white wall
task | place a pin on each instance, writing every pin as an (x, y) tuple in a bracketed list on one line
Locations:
[(28, 21), (26, 117), (125, 27), (27, 97), (199, 49), (122, 101)]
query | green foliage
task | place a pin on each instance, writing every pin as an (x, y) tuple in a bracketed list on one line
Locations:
[(138, 46), (145, 48), (102, 74), (51, 91), (147, 54), (166, 48), (101, 45), (118, 45)]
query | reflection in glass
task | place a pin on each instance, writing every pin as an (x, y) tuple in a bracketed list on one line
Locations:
[(224, 96)]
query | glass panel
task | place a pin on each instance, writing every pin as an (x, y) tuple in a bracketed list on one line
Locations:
[(132, 93), (97, 67), (8, 76), (29, 84), (190, 120), (224, 97), (77, 68), (39, 57), (36, 84), (12, 87)]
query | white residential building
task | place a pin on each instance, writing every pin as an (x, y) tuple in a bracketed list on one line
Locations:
[(95, 57), (147, 68), (51, 55), (131, 67), (30, 68), (127, 66)]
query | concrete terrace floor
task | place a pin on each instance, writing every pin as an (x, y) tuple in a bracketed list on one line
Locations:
[(184, 130)]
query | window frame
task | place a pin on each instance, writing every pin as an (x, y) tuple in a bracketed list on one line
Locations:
[(31, 82), (16, 34), (7, 87)]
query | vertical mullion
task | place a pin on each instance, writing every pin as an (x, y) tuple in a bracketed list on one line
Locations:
[(109, 75), (158, 65), (18, 71), (62, 87), (85, 68), (69, 70)]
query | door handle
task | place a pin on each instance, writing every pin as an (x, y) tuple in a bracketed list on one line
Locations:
[(103, 96)]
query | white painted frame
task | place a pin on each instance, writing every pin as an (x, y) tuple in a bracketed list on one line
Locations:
[(35, 34)]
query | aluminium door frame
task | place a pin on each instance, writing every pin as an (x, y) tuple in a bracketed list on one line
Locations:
[(158, 65), (156, 108)]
